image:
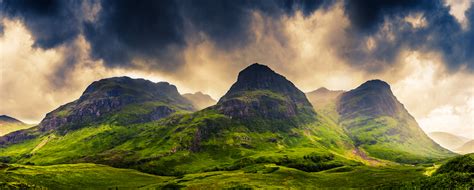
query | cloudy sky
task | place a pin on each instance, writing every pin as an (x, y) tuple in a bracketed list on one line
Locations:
[(50, 50)]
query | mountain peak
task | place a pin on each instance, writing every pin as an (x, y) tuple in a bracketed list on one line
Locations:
[(257, 68), (372, 98), (260, 91), (261, 77), (374, 84), (322, 89)]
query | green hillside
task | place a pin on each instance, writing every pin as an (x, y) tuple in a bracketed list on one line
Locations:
[(454, 174), (208, 140), (381, 126), (9, 124)]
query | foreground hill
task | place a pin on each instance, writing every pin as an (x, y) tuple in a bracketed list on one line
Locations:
[(380, 124), (448, 140), (200, 100), (9, 124)]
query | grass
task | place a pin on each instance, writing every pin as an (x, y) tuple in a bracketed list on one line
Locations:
[(267, 176), (74, 176)]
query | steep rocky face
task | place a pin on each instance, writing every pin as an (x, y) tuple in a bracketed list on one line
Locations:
[(372, 99), (200, 100), (260, 92)]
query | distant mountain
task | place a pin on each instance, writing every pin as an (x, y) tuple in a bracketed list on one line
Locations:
[(466, 148), (4, 119), (200, 100), (121, 100), (261, 93), (9, 124), (324, 101), (448, 140), (380, 124)]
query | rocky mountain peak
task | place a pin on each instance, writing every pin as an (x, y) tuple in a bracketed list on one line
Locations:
[(372, 98), (375, 84), (260, 91), (261, 77)]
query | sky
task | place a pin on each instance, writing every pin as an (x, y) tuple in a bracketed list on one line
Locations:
[(50, 50)]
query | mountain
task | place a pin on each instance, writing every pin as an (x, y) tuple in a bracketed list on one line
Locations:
[(260, 93), (324, 101), (4, 119), (148, 101), (466, 148), (380, 124), (120, 99), (448, 140), (9, 124), (200, 100), (262, 119)]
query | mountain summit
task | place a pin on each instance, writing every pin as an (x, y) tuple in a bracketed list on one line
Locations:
[(261, 92), (373, 98)]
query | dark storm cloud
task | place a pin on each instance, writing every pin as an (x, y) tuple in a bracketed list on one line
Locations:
[(442, 32), (157, 32), (125, 30), (52, 22), (227, 23), (153, 31)]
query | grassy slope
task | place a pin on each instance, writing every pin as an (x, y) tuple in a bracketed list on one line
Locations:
[(375, 136), (92, 176), (455, 174), (169, 146), (75, 176), (399, 140)]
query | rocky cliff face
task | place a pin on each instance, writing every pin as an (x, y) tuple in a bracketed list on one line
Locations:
[(260, 92)]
